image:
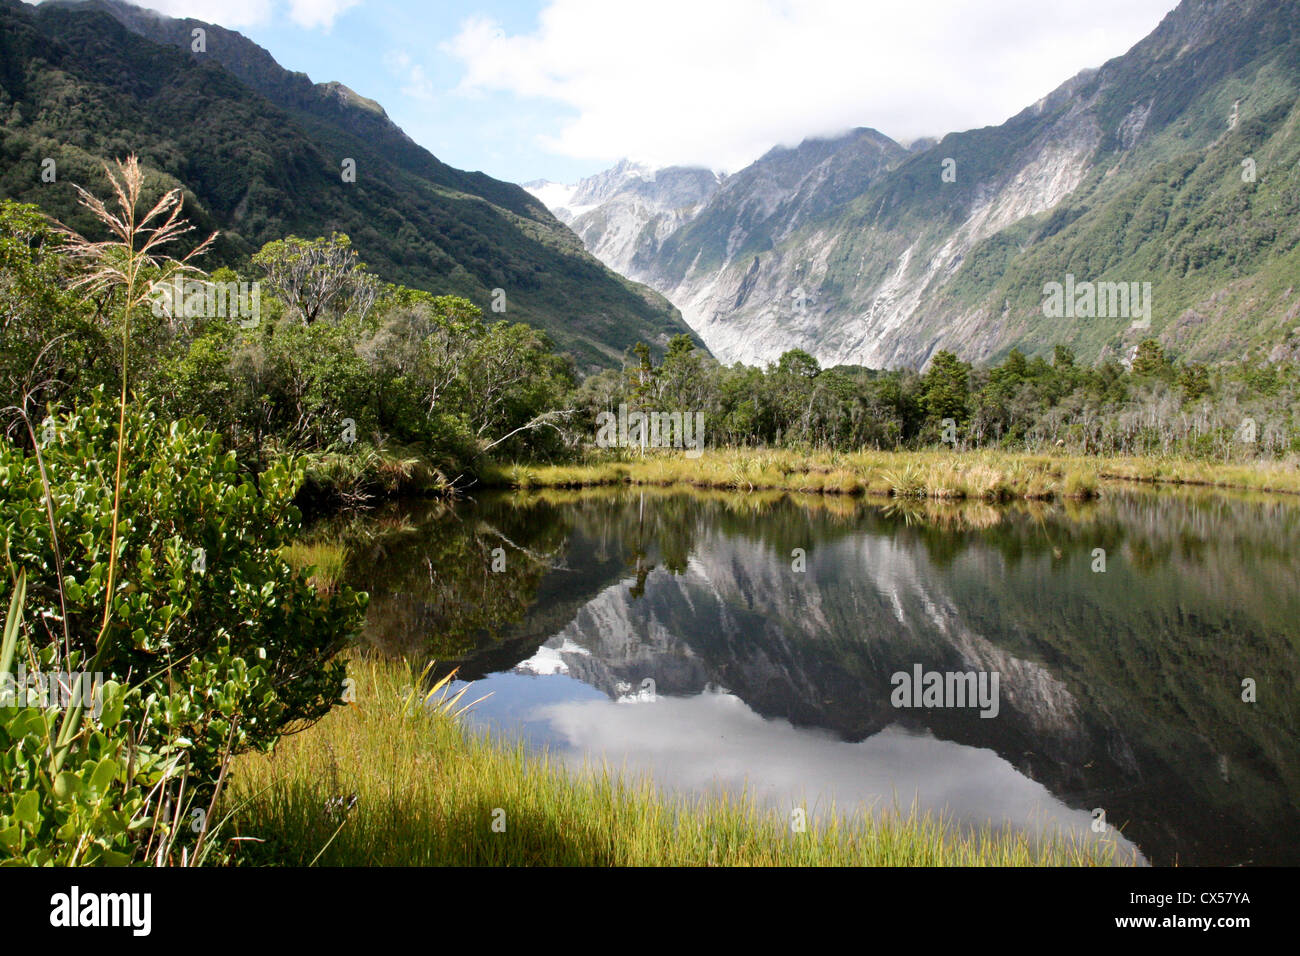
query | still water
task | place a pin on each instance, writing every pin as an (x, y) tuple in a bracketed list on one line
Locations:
[(726, 641)]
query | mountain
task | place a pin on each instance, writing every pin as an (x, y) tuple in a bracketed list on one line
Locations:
[(260, 151), (1176, 164), (623, 214)]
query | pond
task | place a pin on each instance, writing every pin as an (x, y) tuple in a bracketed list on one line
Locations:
[(1129, 663)]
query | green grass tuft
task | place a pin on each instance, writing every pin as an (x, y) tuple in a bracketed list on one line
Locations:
[(379, 782)]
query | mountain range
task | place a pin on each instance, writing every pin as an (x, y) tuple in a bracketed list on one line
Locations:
[(260, 152), (1176, 164)]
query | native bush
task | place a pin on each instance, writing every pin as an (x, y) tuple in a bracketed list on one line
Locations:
[(212, 643)]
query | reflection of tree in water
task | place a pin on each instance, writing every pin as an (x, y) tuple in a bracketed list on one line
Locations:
[(639, 562), (428, 567), (433, 590), (1198, 592)]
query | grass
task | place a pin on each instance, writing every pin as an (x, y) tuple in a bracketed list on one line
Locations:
[(387, 782), (1271, 476), (366, 474), (947, 475), (926, 474), (322, 561)]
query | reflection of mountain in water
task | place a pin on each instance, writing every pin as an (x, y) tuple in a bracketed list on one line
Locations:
[(1117, 690)]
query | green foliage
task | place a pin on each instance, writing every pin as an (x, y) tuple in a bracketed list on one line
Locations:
[(315, 275), (944, 388), (1150, 359), (415, 376), (218, 644), (93, 809), (1159, 406), (77, 87), (50, 348)]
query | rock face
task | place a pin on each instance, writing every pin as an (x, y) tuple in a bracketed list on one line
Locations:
[(734, 618), (624, 214), (863, 252)]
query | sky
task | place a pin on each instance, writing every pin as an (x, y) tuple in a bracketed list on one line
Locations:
[(561, 89)]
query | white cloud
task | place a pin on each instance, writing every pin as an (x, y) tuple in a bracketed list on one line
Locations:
[(416, 83), (234, 14), (718, 82), (229, 13), (318, 13)]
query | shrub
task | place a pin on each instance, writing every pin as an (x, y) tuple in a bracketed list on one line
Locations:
[(216, 643)]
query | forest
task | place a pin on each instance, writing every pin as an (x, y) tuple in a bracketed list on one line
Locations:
[(385, 388)]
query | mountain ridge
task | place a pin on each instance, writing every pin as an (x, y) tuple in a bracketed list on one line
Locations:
[(1126, 172), (81, 83)]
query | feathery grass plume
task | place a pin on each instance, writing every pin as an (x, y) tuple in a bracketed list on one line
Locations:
[(127, 260), (133, 262)]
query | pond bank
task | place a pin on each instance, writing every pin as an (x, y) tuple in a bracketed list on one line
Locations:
[(387, 782), (986, 475)]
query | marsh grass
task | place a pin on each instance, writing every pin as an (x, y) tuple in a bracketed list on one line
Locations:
[(322, 561), (989, 476), (381, 782), (1268, 476), (981, 475), (359, 477)]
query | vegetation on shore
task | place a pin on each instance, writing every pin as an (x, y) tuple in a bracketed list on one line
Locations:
[(391, 782), (976, 475), (155, 576), (321, 561), (1155, 404)]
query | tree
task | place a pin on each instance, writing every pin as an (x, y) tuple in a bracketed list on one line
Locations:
[(944, 388), (791, 384), (1150, 359), (681, 376), (315, 275), (51, 350), (640, 376), (1194, 380)]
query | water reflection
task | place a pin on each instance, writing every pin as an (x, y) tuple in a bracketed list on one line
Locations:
[(1118, 689)]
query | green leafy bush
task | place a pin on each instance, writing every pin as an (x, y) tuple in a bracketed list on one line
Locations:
[(214, 643)]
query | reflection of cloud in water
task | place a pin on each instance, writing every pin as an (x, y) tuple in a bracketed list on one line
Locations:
[(550, 660), (714, 740)]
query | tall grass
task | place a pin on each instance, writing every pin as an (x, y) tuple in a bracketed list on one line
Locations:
[(363, 475), (383, 783), (321, 561), (983, 475)]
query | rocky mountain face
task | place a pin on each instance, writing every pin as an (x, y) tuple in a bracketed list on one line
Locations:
[(624, 214), (259, 151), (1176, 164)]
